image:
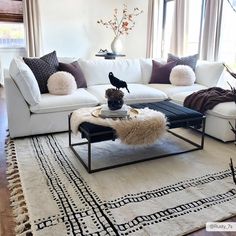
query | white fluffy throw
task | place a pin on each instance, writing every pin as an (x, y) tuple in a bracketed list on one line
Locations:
[(145, 128), (182, 75), (61, 83)]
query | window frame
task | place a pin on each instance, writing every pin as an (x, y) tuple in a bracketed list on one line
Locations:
[(12, 12)]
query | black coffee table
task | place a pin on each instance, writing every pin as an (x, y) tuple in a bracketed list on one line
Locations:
[(177, 117)]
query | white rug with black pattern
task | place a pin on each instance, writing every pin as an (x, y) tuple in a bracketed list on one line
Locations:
[(52, 194)]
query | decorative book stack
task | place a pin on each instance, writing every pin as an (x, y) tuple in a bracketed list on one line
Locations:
[(120, 113)]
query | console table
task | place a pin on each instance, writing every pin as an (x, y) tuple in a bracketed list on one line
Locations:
[(177, 117), (109, 55)]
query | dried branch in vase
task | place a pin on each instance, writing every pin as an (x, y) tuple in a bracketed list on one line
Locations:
[(123, 25)]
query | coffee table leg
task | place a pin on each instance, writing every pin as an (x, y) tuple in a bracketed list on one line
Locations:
[(89, 156), (203, 132)]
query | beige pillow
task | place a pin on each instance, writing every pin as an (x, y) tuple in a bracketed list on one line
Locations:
[(61, 83)]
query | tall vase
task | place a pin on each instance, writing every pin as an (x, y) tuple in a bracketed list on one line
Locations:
[(116, 45)]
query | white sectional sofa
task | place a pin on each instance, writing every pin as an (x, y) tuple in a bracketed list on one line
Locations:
[(50, 113)]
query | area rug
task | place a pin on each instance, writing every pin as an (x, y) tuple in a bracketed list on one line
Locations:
[(52, 194)]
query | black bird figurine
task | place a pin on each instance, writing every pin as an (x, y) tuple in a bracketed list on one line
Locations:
[(117, 82)]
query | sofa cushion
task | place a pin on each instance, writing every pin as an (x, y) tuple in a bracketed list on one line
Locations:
[(146, 68), (43, 68), (139, 93), (208, 73), (225, 110), (170, 89), (76, 71), (96, 71), (187, 61), (161, 72), (179, 97), (25, 80), (61, 83), (182, 75), (54, 103)]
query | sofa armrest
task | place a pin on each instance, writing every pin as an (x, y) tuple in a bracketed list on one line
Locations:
[(17, 109)]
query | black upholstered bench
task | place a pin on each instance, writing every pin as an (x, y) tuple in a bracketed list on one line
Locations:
[(177, 117)]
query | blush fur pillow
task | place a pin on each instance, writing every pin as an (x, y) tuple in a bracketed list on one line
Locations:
[(182, 75), (61, 83)]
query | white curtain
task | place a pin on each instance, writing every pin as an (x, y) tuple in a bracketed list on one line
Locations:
[(180, 28), (32, 24), (154, 32), (209, 44)]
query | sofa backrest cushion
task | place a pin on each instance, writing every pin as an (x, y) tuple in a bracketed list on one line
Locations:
[(25, 81), (96, 71), (187, 61), (208, 73), (76, 71), (43, 68)]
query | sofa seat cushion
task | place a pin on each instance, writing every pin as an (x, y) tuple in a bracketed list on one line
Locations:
[(170, 89), (55, 103), (139, 93), (225, 110)]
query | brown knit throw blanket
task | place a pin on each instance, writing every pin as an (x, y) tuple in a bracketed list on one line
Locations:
[(206, 99)]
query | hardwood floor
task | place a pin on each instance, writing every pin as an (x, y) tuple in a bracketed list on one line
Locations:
[(6, 219)]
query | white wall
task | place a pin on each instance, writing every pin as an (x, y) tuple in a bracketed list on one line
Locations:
[(70, 27)]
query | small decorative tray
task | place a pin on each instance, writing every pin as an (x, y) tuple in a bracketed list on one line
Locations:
[(131, 114)]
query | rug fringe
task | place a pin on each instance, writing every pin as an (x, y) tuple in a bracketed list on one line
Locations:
[(17, 199)]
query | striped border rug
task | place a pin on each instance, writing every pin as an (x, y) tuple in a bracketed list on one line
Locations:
[(52, 194)]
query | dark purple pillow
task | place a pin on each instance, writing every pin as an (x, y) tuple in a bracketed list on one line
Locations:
[(161, 72), (75, 70)]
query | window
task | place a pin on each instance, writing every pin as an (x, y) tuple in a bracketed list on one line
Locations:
[(11, 24), (167, 26), (227, 48), (193, 19), (11, 35)]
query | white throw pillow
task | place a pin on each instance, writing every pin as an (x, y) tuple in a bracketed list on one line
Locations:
[(182, 75), (61, 83), (208, 73), (25, 80), (96, 71)]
